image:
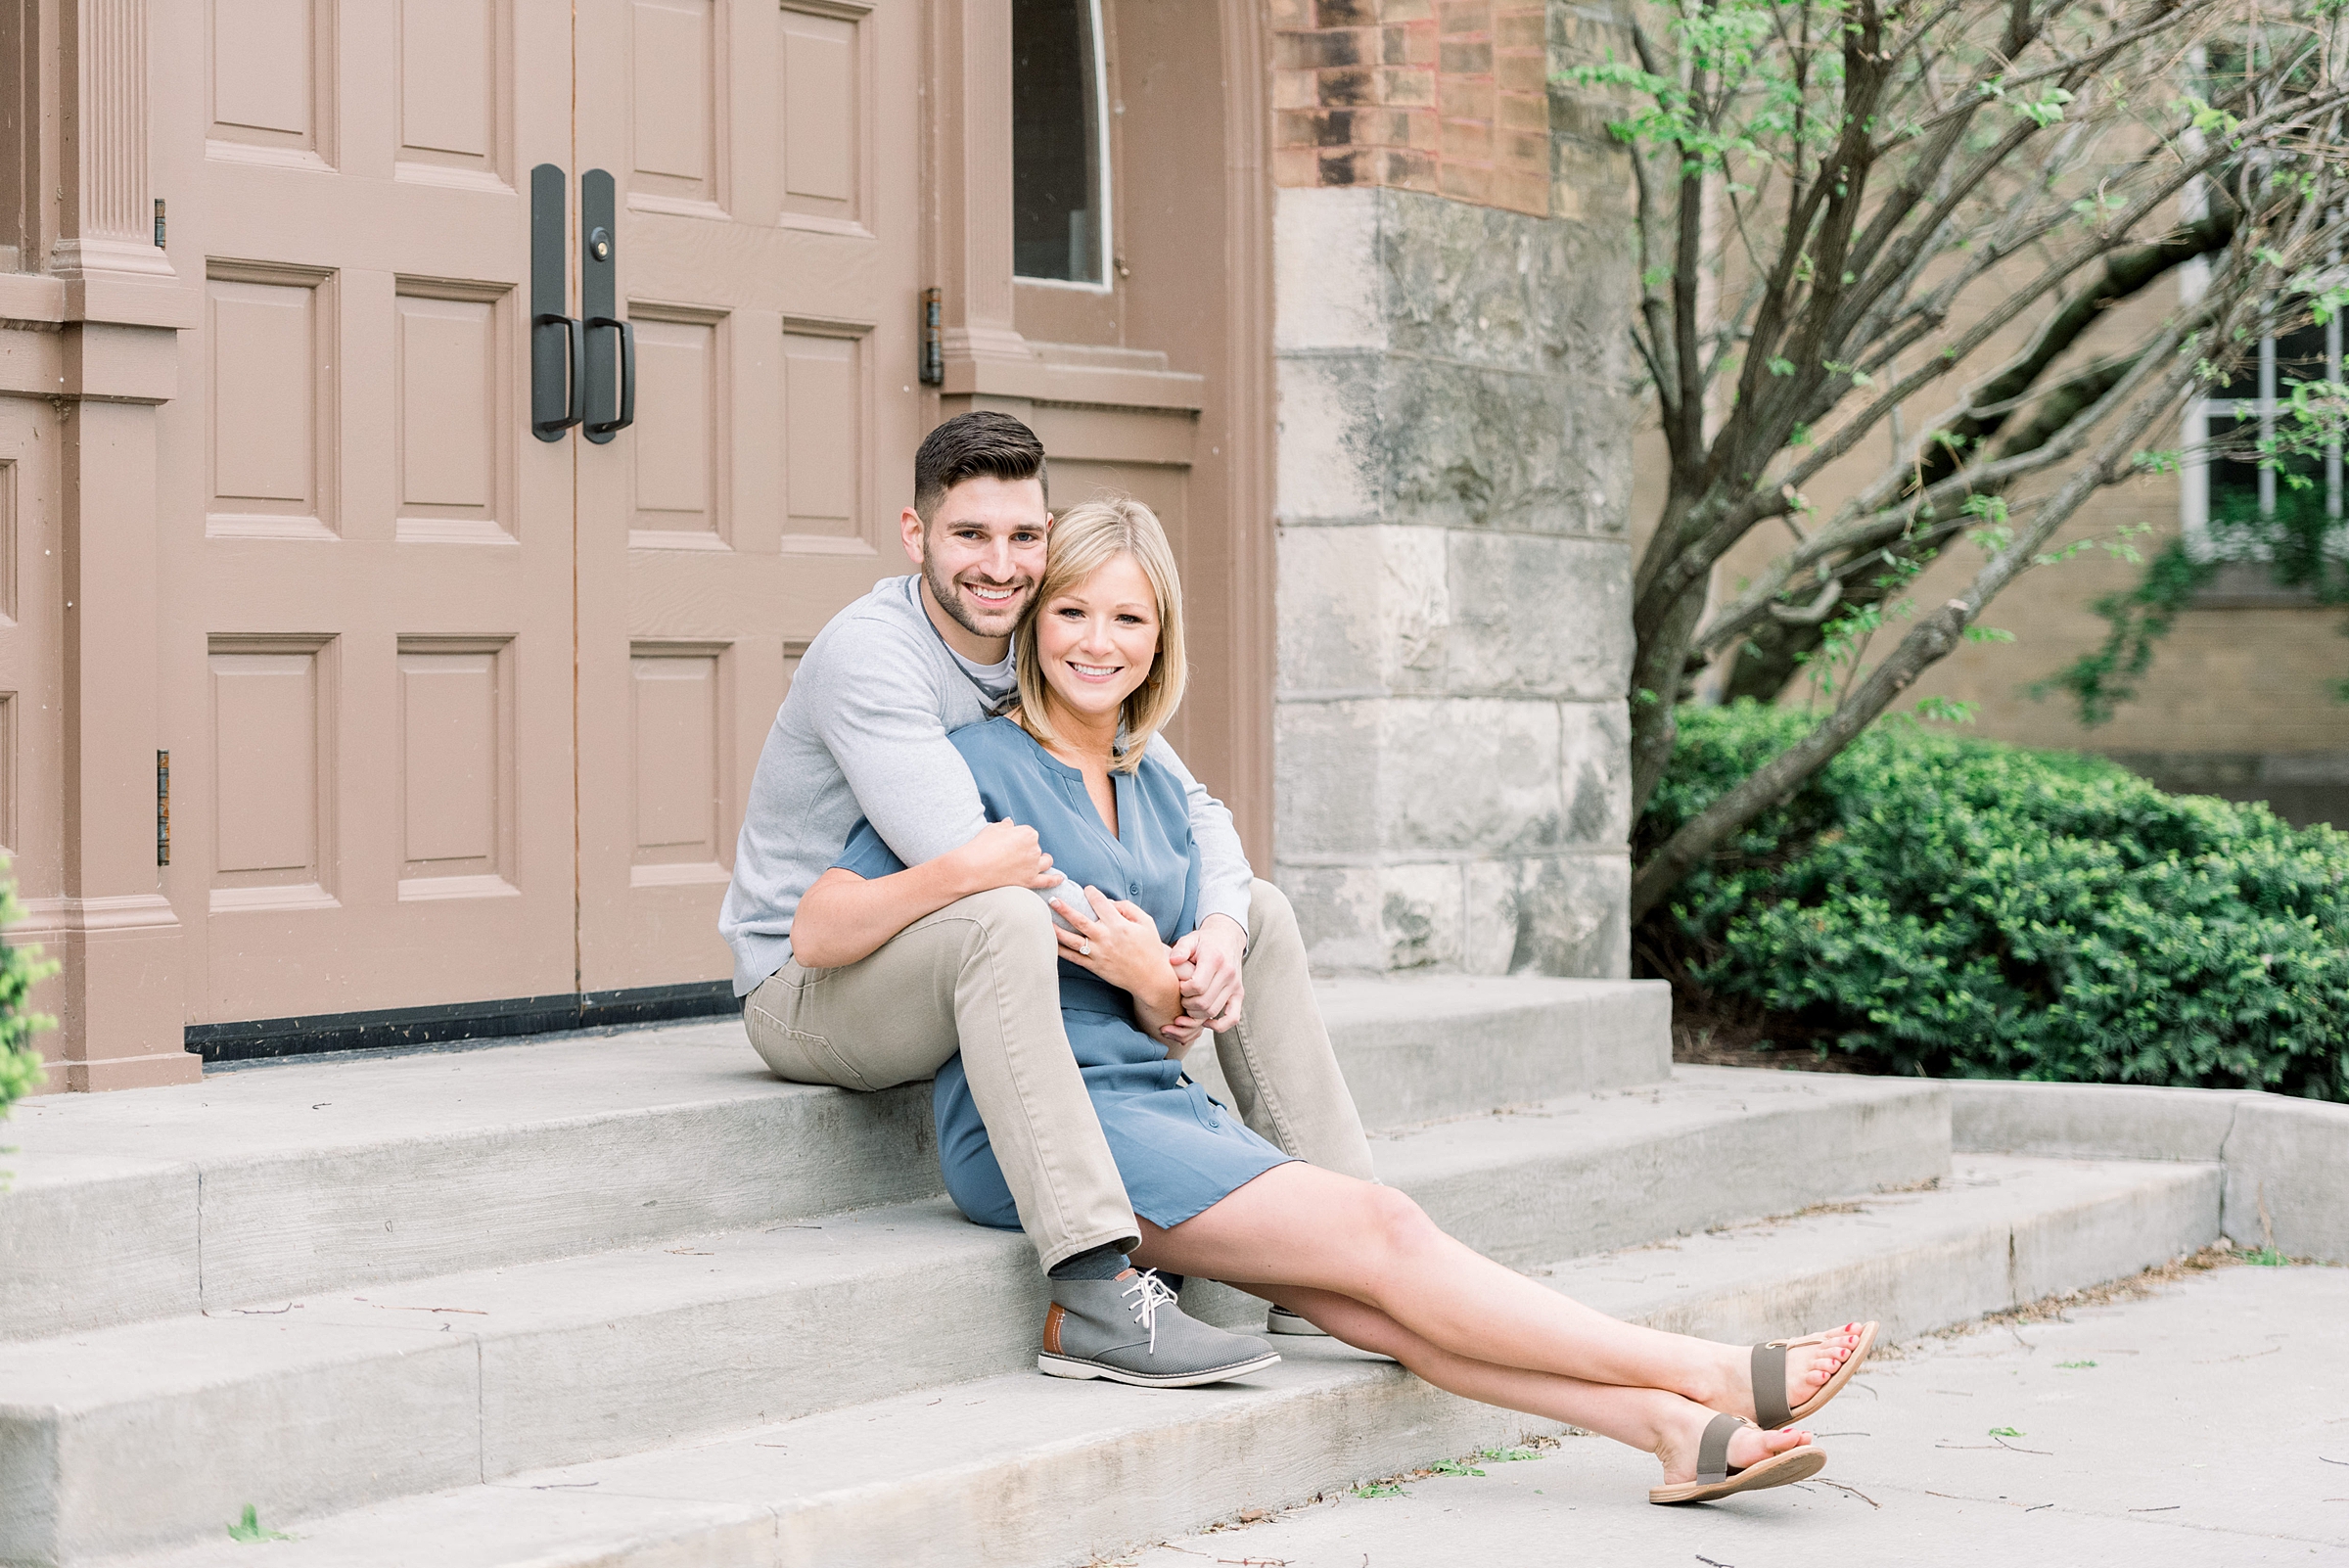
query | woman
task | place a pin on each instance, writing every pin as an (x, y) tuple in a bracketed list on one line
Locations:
[(1100, 670)]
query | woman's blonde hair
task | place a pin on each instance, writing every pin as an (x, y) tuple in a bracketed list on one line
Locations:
[(1084, 540)]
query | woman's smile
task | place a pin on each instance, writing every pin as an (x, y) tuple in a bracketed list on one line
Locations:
[(1097, 640)]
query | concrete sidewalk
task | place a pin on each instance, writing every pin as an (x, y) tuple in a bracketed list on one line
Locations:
[(2206, 1424)]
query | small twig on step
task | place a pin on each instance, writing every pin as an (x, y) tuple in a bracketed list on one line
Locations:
[(1854, 1491), (1995, 1442), (2334, 1461), (388, 1307)]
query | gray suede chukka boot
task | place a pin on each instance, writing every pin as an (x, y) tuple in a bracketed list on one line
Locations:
[(1128, 1330)]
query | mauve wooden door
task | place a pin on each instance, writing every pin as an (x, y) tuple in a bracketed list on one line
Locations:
[(769, 241), (367, 616)]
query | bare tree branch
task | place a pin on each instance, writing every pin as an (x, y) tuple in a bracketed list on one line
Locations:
[(1931, 640)]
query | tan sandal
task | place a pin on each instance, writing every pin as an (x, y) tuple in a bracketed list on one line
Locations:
[(1714, 1478), (1769, 1378)]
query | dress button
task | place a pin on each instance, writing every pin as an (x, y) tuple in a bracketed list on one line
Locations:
[(1134, 889)]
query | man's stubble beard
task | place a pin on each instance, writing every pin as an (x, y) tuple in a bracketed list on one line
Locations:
[(950, 599)]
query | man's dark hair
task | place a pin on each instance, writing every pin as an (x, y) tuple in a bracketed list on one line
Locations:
[(982, 443)]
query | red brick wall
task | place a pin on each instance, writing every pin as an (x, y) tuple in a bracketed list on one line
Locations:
[(1445, 96)]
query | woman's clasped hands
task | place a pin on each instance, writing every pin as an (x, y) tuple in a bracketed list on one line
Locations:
[(1119, 941)]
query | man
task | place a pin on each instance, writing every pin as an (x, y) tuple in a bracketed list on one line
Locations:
[(863, 733)]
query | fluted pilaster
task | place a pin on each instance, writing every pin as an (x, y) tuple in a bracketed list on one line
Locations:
[(106, 222)]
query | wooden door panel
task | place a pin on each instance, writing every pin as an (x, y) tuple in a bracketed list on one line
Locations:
[(272, 402), (674, 101), (271, 69), (774, 283), (455, 58), (368, 643), (683, 399), (273, 752), (825, 57), (456, 767), (825, 455), (674, 701)]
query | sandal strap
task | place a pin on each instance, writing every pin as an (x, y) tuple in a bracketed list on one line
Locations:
[(1770, 1384), (1713, 1448)]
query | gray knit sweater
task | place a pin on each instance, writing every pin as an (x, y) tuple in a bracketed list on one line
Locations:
[(863, 733)]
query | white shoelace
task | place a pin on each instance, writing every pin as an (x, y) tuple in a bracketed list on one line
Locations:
[(1153, 1294)]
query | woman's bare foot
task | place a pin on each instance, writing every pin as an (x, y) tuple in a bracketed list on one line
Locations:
[(1808, 1368), (1748, 1445)]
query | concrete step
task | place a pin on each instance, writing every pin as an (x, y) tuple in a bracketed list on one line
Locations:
[(290, 1178), (1596, 1170), (341, 1397), (1026, 1470), (2000, 1231)]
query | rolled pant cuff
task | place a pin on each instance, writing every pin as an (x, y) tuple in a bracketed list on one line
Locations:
[(1124, 1240)]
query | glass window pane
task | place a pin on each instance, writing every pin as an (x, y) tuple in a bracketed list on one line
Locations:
[(2233, 468), (2243, 382), (2299, 356), (1055, 141)]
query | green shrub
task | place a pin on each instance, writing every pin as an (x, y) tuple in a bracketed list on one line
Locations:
[(1958, 908), (20, 968)]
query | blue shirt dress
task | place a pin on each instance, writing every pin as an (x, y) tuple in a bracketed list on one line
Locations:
[(1178, 1151)]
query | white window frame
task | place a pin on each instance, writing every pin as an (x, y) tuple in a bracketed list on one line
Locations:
[(2262, 406), (1103, 255), (2194, 489)]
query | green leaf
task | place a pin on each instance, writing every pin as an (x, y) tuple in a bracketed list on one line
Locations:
[(1946, 710), (2007, 1431), (249, 1528), (1778, 365)]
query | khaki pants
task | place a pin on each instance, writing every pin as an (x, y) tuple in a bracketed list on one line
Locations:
[(979, 976)]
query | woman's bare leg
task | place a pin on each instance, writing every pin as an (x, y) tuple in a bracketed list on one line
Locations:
[(1297, 1224), (1660, 1422)]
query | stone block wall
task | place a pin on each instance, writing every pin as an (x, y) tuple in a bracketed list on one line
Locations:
[(1453, 483)]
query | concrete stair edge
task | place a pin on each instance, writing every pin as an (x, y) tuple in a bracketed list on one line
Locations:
[(1053, 1474), (369, 1172), (498, 1371)]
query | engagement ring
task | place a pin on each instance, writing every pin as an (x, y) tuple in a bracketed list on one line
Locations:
[(1084, 947)]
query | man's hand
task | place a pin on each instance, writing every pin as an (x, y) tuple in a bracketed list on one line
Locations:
[(1206, 963), (1003, 854)]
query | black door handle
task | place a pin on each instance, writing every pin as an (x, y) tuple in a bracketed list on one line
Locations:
[(558, 341), (610, 359), (603, 429)]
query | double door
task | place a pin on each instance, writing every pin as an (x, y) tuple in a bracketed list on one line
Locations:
[(460, 713)]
